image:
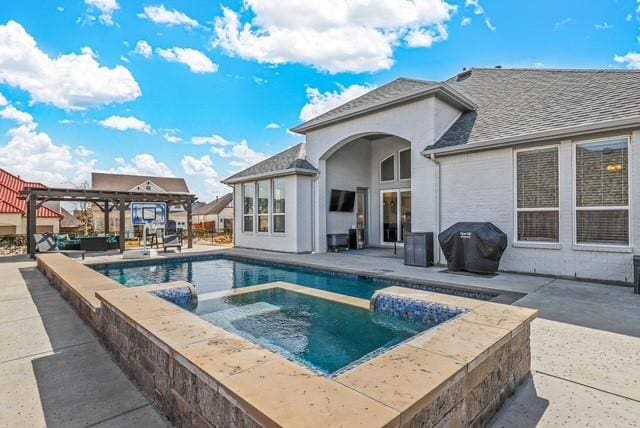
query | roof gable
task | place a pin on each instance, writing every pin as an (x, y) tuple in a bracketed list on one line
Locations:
[(293, 158), (216, 206), (395, 92), (126, 182)]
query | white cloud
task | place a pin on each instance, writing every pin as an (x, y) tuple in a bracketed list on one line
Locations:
[(106, 8), (562, 23), (83, 152), (214, 139), (272, 125), (142, 164), (331, 35), (603, 26), (34, 156), (244, 156), (220, 152), (11, 113), (3, 100), (489, 24), (322, 102), (143, 49), (70, 81), (122, 123), (194, 59), (60, 9), (173, 139), (202, 166), (65, 121), (475, 4), (465, 21), (422, 38), (630, 60), (162, 15)]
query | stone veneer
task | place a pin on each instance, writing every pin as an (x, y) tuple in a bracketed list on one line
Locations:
[(456, 374)]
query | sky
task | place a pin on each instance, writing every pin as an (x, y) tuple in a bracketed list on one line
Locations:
[(202, 89)]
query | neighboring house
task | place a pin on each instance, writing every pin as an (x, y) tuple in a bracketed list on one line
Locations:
[(215, 216), (136, 183), (548, 156), (13, 209), (70, 223)]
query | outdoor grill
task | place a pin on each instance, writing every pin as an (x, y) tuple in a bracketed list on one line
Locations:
[(473, 247)]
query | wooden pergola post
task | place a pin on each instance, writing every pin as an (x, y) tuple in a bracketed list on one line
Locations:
[(31, 224), (122, 207), (189, 224), (106, 217)]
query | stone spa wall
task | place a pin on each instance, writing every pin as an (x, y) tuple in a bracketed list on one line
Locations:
[(456, 374)]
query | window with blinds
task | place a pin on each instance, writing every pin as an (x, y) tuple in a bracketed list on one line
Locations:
[(537, 207), (602, 192)]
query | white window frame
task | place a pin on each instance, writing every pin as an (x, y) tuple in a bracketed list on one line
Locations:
[(398, 192), (256, 210), (253, 220), (400, 163), (628, 207), (273, 213), (516, 210), (395, 169)]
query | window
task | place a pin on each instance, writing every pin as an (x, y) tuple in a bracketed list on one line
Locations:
[(537, 207), (263, 206), (388, 169), (278, 206), (248, 195), (405, 164), (602, 192)]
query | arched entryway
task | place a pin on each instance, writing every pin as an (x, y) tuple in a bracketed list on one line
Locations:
[(374, 170)]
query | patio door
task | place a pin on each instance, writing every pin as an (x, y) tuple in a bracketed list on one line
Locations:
[(395, 212)]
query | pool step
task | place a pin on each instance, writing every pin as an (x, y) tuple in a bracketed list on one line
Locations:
[(226, 317)]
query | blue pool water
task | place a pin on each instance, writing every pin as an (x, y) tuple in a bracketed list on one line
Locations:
[(220, 274), (324, 335)]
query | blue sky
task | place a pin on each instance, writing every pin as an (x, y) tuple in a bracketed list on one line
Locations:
[(80, 93)]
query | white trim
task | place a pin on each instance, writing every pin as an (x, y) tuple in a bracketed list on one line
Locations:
[(602, 247), (516, 210), (272, 202), (257, 209), (253, 230), (380, 180), (400, 163)]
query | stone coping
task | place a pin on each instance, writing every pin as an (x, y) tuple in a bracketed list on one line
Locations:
[(391, 389)]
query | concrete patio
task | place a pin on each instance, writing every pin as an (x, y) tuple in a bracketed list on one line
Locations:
[(54, 372)]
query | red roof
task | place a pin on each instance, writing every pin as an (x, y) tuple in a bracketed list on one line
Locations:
[(10, 189)]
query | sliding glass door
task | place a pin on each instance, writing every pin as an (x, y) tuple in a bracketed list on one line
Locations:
[(395, 213)]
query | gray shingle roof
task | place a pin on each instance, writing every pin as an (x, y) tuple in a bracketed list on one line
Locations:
[(293, 157), (515, 102), (214, 207), (124, 182), (398, 88)]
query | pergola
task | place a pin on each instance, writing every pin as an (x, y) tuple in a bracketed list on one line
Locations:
[(107, 201)]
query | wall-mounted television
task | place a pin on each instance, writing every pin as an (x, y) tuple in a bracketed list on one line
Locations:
[(342, 200)]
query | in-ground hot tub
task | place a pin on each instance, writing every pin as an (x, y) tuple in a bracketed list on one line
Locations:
[(425, 359)]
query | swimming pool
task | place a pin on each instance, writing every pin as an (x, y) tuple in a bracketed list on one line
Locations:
[(222, 273), (322, 334)]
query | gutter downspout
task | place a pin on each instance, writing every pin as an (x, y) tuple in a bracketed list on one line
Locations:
[(437, 200)]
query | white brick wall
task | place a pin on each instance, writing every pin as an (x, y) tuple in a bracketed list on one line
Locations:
[(480, 187)]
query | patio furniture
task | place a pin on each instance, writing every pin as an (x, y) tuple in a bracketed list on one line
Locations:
[(47, 244), (337, 241), (172, 241), (94, 243)]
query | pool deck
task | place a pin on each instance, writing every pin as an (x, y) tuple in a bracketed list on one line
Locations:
[(584, 349)]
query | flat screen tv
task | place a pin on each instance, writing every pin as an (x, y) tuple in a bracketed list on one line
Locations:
[(342, 200)]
